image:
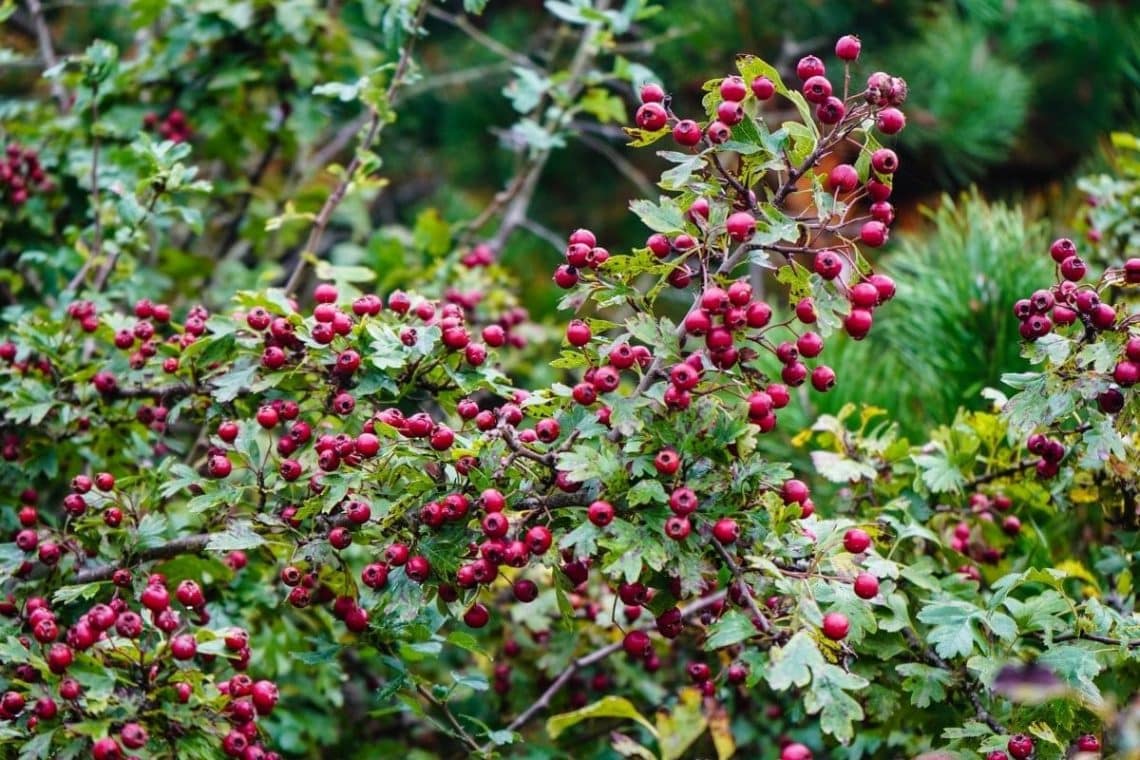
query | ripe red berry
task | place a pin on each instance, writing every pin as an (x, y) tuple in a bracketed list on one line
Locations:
[(795, 751), (740, 226), (817, 89), (873, 233), (652, 93), (856, 541), (858, 323), (637, 644), (1061, 249), (651, 117), (835, 626), (733, 88), (843, 178), (578, 333), (793, 491), (847, 48), (890, 121), (763, 88), (823, 378), (718, 132), (667, 461), (525, 590), (677, 528), (809, 66), (726, 530), (885, 161), (1020, 746), (1088, 743), (477, 616), (600, 513), (866, 586), (183, 647)]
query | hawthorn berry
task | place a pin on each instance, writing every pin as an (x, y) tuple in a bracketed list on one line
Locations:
[(866, 586), (1020, 746), (856, 540), (835, 626)]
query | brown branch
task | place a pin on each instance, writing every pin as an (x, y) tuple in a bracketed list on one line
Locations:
[(173, 548), (1131, 644), (47, 52), (734, 568), (467, 738), (1013, 469), (970, 686), (375, 124), (587, 660)]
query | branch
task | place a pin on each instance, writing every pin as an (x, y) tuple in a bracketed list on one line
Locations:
[(627, 169), (467, 738), (1130, 643), (173, 548), (734, 568), (375, 123), (461, 23), (587, 660), (47, 52), (971, 687), (1013, 469)]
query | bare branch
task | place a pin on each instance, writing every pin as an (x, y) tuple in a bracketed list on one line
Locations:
[(173, 548), (375, 124), (47, 52)]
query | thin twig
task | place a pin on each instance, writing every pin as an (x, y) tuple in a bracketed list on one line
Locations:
[(970, 686), (467, 738), (627, 169), (586, 661), (734, 568), (47, 52), (375, 123), (461, 23)]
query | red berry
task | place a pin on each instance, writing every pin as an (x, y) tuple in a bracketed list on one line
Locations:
[(835, 626), (763, 88), (856, 541), (718, 132), (817, 89), (726, 530), (843, 178), (677, 528), (885, 161), (1020, 746), (652, 93), (740, 226), (873, 233), (795, 751), (847, 47), (890, 121), (600, 513), (578, 333), (808, 67), (1061, 249), (866, 586), (477, 616), (651, 117), (1088, 743)]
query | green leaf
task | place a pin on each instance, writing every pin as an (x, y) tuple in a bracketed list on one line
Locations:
[(840, 469), (926, 684), (938, 473), (952, 634), (230, 385), (1076, 666), (791, 664), (666, 217), (606, 707), (239, 535), (646, 492), (838, 710), (69, 594), (732, 628)]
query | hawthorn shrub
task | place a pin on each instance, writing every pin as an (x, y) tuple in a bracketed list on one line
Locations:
[(318, 516)]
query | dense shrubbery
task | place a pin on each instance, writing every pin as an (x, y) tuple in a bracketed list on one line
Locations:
[(282, 483)]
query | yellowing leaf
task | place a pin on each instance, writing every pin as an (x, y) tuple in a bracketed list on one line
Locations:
[(680, 728), (720, 729), (1074, 569), (606, 707)]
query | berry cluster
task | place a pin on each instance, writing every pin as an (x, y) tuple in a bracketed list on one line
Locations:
[(173, 126), (151, 638), (21, 175)]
